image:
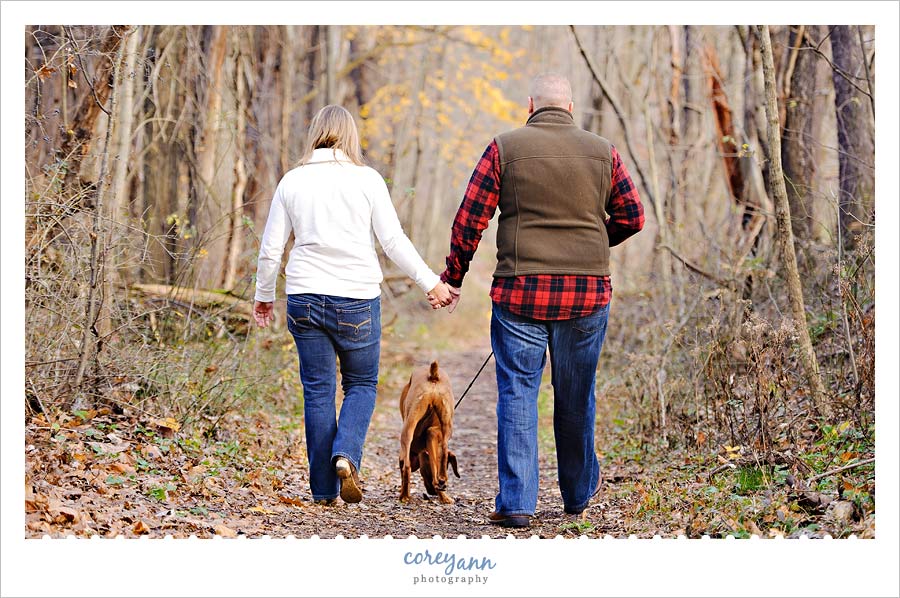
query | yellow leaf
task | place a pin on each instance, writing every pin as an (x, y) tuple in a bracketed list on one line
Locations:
[(225, 532), (259, 509), (140, 528), (167, 426)]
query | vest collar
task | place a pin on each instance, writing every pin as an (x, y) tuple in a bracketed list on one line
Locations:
[(551, 115)]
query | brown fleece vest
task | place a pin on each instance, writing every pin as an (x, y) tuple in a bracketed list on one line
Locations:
[(554, 185)]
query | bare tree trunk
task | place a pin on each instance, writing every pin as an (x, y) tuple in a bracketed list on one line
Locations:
[(240, 172), (91, 104), (785, 233), (91, 341), (332, 55), (287, 93), (690, 81), (118, 185), (210, 205), (676, 41), (799, 136), (856, 132), (659, 208)]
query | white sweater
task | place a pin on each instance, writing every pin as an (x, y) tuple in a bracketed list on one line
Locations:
[(332, 206)]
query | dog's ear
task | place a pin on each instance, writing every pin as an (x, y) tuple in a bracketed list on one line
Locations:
[(451, 459), (414, 462)]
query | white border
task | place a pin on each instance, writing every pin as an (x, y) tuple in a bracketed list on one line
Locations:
[(375, 567)]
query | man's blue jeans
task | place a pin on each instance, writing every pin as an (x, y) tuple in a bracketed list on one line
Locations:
[(326, 328), (520, 346)]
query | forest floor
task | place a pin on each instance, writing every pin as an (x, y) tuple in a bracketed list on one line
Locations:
[(94, 472)]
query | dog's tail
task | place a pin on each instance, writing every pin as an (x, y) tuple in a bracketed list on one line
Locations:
[(433, 374)]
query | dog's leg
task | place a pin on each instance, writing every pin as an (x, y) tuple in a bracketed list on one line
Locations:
[(445, 498), (405, 465)]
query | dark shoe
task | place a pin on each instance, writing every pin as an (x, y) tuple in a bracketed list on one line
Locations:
[(569, 511), (350, 491), (509, 520)]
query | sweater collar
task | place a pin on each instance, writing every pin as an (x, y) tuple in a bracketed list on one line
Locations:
[(551, 115), (327, 154)]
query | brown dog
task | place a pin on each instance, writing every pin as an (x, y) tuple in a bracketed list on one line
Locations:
[(426, 406)]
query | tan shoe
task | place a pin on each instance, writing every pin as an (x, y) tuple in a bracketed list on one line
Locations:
[(350, 491)]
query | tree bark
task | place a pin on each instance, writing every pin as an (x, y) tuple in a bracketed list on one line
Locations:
[(118, 184), (91, 341), (209, 205), (286, 70), (77, 144), (785, 233), (799, 135), (236, 216), (856, 133), (676, 41)]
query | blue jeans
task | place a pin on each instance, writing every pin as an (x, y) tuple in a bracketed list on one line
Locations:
[(326, 329), (520, 346)]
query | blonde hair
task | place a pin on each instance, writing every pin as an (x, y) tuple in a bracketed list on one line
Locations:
[(333, 127)]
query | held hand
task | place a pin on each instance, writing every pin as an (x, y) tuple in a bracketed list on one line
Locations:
[(263, 313), (439, 296), (454, 298)]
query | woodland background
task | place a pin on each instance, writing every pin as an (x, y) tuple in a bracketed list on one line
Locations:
[(152, 152)]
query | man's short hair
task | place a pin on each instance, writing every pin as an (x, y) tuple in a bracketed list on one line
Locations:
[(551, 90)]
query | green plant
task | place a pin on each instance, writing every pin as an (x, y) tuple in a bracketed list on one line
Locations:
[(161, 493), (749, 479), (578, 527)]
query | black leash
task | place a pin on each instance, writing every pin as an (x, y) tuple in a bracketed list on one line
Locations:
[(473, 381)]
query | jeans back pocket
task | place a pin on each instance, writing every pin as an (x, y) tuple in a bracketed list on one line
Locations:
[(298, 317), (355, 323)]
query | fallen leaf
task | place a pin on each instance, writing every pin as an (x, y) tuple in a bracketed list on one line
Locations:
[(842, 511), (290, 501), (262, 510), (167, 427), (140, 528), (61, 513), (107, 448), (751, 527), (225, 532), (122, 468), (195, 473), (151, 452), (848, 455)]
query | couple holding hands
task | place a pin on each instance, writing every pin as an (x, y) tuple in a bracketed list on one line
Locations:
[(564, 197)]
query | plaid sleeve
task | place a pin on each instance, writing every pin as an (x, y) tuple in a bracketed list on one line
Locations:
[(626, 214), (477, 208)]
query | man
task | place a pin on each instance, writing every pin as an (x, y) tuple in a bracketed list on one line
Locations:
[(565, 198)]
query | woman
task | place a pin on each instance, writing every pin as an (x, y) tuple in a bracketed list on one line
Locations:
[(332, 203)]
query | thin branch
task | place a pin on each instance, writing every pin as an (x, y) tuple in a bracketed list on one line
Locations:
[(697, 269), (837, 69), (840, 469), (84, 72), (604, 87), (862, 47)]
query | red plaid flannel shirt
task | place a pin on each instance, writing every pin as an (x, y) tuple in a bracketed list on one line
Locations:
[(538, 296)]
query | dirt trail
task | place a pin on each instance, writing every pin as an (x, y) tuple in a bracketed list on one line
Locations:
[(474, 442)]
